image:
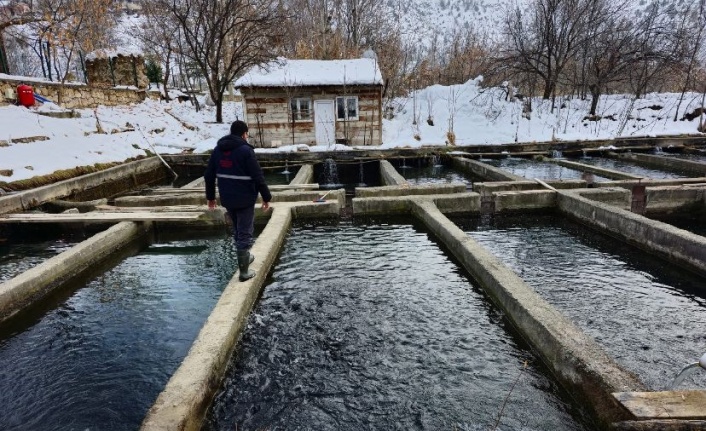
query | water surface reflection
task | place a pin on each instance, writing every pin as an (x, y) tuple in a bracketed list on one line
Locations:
[(647, 313), (99, 359)]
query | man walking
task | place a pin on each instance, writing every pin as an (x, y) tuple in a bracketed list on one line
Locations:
[(240, 179)]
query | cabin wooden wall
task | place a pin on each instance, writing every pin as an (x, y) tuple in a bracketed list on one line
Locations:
[(268, 116)]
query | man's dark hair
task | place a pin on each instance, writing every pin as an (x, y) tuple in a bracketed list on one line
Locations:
[(238, 128)]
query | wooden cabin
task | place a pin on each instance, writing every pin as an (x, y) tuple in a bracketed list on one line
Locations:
[(314, 102)]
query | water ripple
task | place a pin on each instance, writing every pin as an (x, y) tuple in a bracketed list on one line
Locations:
[(648, 314), (100, 358), (374, 328)]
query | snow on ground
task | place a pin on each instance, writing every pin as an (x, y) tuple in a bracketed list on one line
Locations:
[(480, 117)]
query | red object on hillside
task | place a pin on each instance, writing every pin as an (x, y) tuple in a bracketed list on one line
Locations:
[(25, 95)]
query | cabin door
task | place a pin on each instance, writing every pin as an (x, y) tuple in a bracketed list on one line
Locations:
[(325, 122)]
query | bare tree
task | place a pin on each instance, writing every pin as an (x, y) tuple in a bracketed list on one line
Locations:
[(312, 31), (69, 28), (452, 104), (10, 16), (158, 38), (661, 46), (610, 50), (697, 19), (225, 38), (546, 39)]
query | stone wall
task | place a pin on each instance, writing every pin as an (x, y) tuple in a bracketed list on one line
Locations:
[(117, 70), (74, 96)]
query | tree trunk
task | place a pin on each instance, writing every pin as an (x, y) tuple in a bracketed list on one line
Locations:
[(595, 95), (166, 79), (548, 88), (219, 109), (4, 67)]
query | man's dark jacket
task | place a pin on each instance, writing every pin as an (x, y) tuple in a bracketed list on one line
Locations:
[(239, 175)]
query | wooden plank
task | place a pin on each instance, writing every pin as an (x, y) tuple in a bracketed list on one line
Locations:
[(96, 217), (666, 404)]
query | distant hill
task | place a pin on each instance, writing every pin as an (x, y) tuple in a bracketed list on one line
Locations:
[(421, 19)]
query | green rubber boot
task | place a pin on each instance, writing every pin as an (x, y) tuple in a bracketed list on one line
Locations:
[(244, 261)]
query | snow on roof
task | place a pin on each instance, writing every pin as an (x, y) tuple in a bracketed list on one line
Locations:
[(112, 53), (302, 73)]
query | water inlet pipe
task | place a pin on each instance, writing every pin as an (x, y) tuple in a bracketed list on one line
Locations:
[(321, 199), (164, 162)]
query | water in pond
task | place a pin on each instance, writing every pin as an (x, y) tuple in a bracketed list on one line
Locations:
[(630, 168), (373, 327), (439, 174), (647, 313), (349, 175), (98, 358), (18, 258), (280, 176), (695, 223), (24, 247), (536, 169)]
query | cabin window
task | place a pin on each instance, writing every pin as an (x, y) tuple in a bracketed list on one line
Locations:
[(301, 109), (347, 108)]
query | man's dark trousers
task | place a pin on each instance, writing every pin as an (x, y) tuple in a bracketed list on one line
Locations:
[(243, 226)]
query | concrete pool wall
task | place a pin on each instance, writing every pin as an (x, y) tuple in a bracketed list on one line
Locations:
[(574, 358), (33, 285), (184, 402), (110, 181)]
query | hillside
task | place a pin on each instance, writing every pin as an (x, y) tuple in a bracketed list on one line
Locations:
[(422, 19)]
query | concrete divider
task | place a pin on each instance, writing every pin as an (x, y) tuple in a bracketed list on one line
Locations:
[(381, 205), (484, 170), (518, 186), (305, 175), (185, 400), (470, 202), (606, 173), (145, 171), (651, 182), (661, 200), (407, 190), (682, 247), (465, 203), (577, 361), (198, 182), (389, 175), (199, 198), (526, 200), (34, 284), (448, 203), (615, 196), (663, 162)]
